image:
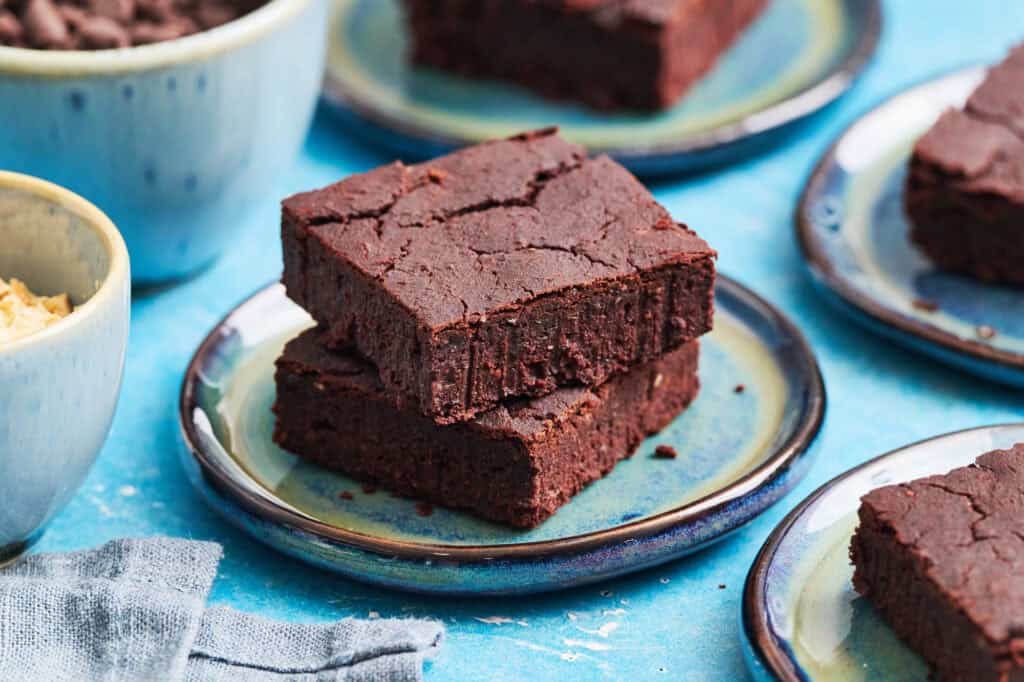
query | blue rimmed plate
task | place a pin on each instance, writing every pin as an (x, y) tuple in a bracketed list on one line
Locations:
[(739, 453), (797, 58), (802, 620), (854, 236)]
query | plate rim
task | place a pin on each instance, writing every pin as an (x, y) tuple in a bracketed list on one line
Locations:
[(773, 468), (825, 273), (755, 625), (795, 107)]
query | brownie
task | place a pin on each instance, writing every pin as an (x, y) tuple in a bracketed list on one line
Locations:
[(965, 189), (609, 54), (942, 559), (515, 464), (503, 270)]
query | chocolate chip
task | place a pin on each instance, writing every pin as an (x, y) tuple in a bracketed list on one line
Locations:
[(665, 452), (101, 33), (44, 25), (145, 33), (73, 16), (212, 14), (10, 28), (121, 11), (740, 388), (157, 11)]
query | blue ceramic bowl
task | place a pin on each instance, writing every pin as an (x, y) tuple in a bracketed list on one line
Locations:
[(175, 141), (58, 387)]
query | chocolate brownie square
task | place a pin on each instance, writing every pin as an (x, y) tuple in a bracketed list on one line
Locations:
[(504, 270), (609, 54), (965, 189), (516, 464), (942, 559)]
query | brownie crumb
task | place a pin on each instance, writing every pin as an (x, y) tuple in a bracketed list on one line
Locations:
[(986, 332), (740, 388), (346, 495), (436, 175), (369, 489), (925, 305), (424, 508), (665, 452)]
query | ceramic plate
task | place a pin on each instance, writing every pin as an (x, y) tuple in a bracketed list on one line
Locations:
[(798, 57), (739, 453), (854, 235), (801, 618)]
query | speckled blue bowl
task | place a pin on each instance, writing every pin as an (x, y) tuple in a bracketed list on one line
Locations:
[(739, 452), (58, 387), (174, 141)]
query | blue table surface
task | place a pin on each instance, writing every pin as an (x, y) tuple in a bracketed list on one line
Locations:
[(674, 620)]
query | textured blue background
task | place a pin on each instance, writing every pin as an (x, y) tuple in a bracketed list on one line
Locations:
[(672, 620)]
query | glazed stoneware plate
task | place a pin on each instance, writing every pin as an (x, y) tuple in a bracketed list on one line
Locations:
[(802, 620), (797, 58), (854, 235), (739, 452)]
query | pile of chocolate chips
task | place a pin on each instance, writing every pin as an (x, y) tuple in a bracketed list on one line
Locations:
[(105, 24)]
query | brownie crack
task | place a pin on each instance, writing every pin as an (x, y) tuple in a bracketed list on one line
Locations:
[(1003, 122), (981, 513)]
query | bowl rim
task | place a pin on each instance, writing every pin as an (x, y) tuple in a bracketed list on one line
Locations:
[(27, 62), (117, 271)]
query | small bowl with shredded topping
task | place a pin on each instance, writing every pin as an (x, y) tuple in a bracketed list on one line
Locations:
[(64, 311)]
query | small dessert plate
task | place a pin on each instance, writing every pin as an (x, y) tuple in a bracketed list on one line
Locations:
[(855, 238), (740, 450), (802, 620), (798, 57)]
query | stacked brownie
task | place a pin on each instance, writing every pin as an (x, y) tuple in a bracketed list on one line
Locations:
[(496, 328), (965, 188)]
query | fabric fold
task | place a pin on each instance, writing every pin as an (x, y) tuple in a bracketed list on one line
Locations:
[(128, 610), (135, 609), (233, 645)]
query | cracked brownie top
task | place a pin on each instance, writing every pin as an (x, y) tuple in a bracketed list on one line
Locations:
[(967, 527), (983, 144), (480, 230)]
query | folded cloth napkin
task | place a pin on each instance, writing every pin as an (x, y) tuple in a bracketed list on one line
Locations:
[(136, 610)]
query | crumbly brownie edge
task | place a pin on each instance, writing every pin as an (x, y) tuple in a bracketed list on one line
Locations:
[(684, 65), (584, 335), (894, 580), (493, 471), (962, 230)]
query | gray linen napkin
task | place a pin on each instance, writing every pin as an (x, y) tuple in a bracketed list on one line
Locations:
[(136, 610)]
